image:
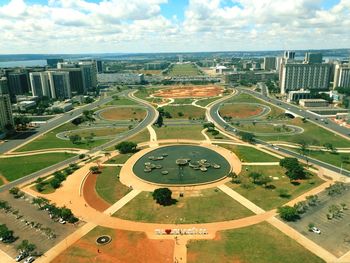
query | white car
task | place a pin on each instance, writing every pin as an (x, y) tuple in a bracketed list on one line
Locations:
[(29, 260), (61, 221), (316, 230), (21, 256)]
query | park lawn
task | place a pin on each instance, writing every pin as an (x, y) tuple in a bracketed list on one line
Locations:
[(184, 70), (16, 167), (188, 112), (49, 140), (108, 186), (259, 243), (263, 128), (206, 206), (269, 198), (122, 101), (189, 132), (313, 135), (240, 110), (250, 154), (183, 101), (142, 136), (119, 159), (205, 102), (126, 113), (100, 132), (336, 159), (144, 93)]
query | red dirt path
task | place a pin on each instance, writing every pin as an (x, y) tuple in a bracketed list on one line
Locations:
[(126, 246), (189, 92), (91, 196)]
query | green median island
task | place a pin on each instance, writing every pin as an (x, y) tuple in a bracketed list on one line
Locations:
[(182, 165)]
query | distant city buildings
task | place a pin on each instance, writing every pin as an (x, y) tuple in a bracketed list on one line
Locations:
[(6, 119), (52, 62), (18, 83), (269, 63), (312, 58), (40, 85)]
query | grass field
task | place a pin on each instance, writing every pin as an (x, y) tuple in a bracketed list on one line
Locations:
[(99, 132), (144, 93), (269, 198), (122, 101), (185, 112), (310, 130), (140, 137), (263, 128), (17, 167), (119, 159), (190, 132), (108, 185), (183, 70), (183, 101), (240, 110), (260, 243), (205, 102), (127, 113), (206, 206), (49, 140), (249, 154)]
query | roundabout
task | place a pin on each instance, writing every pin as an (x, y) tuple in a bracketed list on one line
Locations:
[(182, 165)]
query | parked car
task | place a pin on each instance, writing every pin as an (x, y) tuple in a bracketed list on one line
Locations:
[(61, 221), (21, 256), (316, 230), (29, 260)]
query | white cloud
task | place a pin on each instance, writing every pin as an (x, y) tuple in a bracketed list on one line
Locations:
[(139, 26)]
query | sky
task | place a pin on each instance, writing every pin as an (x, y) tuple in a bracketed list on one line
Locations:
[(142, 26)]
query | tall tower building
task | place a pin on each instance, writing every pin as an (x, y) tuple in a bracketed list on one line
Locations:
[(312, 58), (89, 71), (39, 82), (6, 119), (289, 55), (18, 84), (269, 63), (342, 76), (59, 85)]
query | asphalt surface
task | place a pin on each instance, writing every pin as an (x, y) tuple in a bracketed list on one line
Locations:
[(152, 115), (215, 117)]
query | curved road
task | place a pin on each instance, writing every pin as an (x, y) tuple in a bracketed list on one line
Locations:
[(213, 116), (152, 115)]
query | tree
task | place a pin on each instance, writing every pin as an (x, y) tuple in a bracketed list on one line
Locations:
[(159, 121), (284, 193), (247, 137), (107, 155), (6, 234), (126, 147), (40, 201), (163, 196), (288, 213), (180, 114), (26, 246), (296, 173), (88, 115), (289, 163), (55, 183), (265, 180), (75, 139), (208, 125), (255, 176), (303, 147), (94, 169)]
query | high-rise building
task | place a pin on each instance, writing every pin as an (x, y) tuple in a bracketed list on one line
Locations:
[(269, 63), (59, 85), (52, 62), (99, 65), (39, 82), (311, 58), (6, 119), (75, 80), (342, 76), (296, 76), (89, 72), (18, 84), (289, 55)]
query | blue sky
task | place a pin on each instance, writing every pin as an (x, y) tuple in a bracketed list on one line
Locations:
[(80, 26)]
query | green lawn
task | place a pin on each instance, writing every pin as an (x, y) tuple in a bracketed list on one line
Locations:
[(17, 167), (269, 198), (185, 112), (261, 243), (122, 101), (119, 159), (313, 134), (263, 128), (207, 206), (184, 70), (180, 132), (144, 93), (249, 154), (49, 140), (205, 102), (183, 101), (108, 185)]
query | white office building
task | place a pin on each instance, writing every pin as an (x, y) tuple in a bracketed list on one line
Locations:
[(39, 83), (342, 76), (59, 85), (6, 118)]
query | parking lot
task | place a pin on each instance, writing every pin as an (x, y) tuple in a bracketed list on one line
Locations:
[(32, 224), (335, 233)]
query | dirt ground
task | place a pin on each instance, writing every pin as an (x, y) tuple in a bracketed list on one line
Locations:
[(114, 114), (3, 179), (189, 92), (91, 196), (126, 246)]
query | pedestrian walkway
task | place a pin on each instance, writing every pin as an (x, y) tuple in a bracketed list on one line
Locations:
[(261, 163), (153, 137), (127, 198), (241, 199)]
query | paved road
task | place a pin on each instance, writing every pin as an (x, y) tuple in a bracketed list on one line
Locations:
[(300, 112), (13, 143), (152, 115), (215, 117)]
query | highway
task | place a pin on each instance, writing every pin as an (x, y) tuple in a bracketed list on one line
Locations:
[(213, 115), (151, 117)]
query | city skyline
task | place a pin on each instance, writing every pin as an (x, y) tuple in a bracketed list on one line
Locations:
[(65, 26)]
